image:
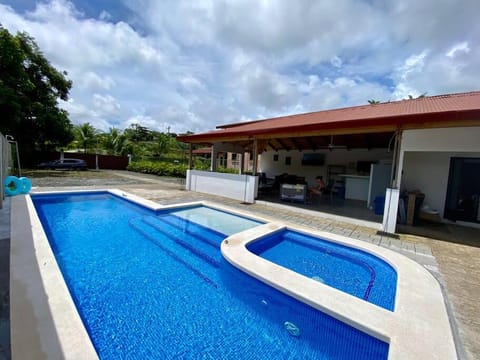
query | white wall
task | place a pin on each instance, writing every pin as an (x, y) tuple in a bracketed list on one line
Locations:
[(426, 159), (335, 157), (238, 187), (464, 139), (428, 172)]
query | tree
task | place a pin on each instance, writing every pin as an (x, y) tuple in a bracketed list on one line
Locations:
[(410, 97), (115, 142), (85, 136), (373, 102), (30, 88), (137, 133)]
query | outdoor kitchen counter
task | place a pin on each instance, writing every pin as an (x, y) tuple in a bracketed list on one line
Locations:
[(356, 186)]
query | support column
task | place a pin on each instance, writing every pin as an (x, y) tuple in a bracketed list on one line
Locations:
[(190, 156), (242, 163), (213, 160), (255, 157)]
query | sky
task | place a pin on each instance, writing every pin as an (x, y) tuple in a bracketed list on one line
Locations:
[(178, 66)]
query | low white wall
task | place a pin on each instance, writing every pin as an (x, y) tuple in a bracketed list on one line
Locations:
[(233, 186)]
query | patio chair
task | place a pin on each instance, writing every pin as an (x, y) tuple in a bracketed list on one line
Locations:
[(333, 189), (265, 185)]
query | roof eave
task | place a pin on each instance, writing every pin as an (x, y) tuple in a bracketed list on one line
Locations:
[(427, 120)]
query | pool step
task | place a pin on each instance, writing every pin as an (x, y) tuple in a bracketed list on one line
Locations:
[(186, 241), (209, 236), (189, 241), (163, 241)]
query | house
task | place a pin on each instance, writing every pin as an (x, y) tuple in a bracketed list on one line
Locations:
[(429, 145), (227, 160)]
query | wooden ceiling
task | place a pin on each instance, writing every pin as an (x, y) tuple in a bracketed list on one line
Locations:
[(322, 142)]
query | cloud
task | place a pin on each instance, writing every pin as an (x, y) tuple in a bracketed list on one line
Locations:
[(458, 49), (106, 104), (93, 81), (194, 65)]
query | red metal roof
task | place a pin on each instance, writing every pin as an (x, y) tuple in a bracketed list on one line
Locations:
[(202, 151), (431, 109)]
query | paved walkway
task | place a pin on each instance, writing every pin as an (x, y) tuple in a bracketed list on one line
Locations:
[(455, 265)]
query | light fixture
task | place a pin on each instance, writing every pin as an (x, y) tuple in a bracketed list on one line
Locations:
[(332, 146)]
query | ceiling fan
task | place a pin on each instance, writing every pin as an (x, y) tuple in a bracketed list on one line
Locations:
[(332, 146)]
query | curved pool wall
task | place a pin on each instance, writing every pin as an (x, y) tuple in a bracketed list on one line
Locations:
[(45, 323), (353, 271)]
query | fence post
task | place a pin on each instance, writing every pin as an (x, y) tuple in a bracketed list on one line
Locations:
[(4, 160)]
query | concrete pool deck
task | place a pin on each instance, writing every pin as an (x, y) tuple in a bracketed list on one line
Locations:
[(456, 264)]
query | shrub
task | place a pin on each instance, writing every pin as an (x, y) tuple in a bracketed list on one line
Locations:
[(158, 168)]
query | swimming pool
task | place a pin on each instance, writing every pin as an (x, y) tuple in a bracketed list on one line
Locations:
[(162, 279), (45, 322), (351, 270)]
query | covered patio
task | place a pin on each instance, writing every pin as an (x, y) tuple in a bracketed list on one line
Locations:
[(343, 144), (341, 207)]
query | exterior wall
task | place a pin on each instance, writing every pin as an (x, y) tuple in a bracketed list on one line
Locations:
[(335, 157), (462, 139), (235, 164), (238, 187), (428, 172), (426, 160)]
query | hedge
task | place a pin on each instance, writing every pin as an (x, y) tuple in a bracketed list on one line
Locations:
[(158, 168), (168, 169)]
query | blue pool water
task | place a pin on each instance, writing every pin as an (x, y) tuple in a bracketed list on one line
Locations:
[(220, 221), (153, 285), (350, 270)]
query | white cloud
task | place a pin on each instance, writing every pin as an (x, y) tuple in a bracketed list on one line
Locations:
[(193, 65), (105, 15), (457, 49), (93, 81), (406, 74), (106, 104)]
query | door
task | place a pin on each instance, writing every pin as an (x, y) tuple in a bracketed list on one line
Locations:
[(463, 192)]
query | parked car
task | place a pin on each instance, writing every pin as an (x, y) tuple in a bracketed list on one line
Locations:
[(65, 164)]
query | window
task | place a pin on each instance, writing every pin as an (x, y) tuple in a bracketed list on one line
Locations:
[(288, 160), (275, 157)]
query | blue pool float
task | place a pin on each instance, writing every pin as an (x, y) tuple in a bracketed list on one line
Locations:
[(26, 185), (14, 186)]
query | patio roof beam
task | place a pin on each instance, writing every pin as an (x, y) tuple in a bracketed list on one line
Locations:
[(311, 143), (283, 144), (269, 143), (288, 134), (296, 144)]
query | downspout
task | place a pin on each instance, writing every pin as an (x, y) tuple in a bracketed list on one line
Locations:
[(393, 193), (394, 183)]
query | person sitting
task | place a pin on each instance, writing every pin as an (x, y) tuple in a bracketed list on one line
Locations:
[(319, 187)]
